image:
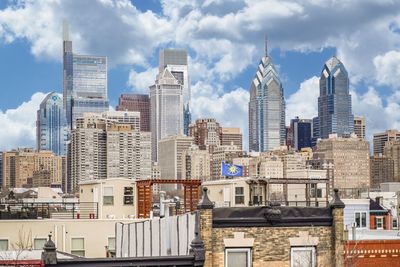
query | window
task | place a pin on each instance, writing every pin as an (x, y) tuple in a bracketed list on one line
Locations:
[(108, 196), (302, 257), (78, 246), (394, 223), (379, 223), (128, 195), (38, 243), (237, 257), (360, 218), (239, 195), (111, 243), (3, 244)]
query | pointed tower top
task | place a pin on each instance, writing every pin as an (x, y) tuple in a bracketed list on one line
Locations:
[(266, 45), (65, 30)]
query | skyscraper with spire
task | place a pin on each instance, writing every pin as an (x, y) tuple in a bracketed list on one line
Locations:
[(334, 101), (84, 82), (266, 107)]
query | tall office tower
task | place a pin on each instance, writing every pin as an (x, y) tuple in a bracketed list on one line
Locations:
[(301, 132), (19, 167), (392, 151), (359, 127), (206, 133), (231, 136), (266, 108), (196, 163), (350, 158), (170, 155), (1, 169), (315, 131), (380, 140), (334, 101), (85, 82), (166, 106), (176, 61), (138, 103), (51, 127), (106, 148), (382, 170)]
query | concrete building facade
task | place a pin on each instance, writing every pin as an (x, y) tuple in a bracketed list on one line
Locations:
[(380, 140), (392, 151), (359, 127), (196, 164), (137, 103), (382, 170)]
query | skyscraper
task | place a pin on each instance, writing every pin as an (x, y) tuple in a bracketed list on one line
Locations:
[(266, 108), (359, 127), (175, 60), (301, 132), (166, 105), (85, 82), (138, 103), (51, 127), (380, 139), (334, 102)]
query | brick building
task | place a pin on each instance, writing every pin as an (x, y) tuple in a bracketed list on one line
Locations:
[(139, 103)]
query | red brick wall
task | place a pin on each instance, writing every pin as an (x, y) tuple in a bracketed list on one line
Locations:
[(372, 253)]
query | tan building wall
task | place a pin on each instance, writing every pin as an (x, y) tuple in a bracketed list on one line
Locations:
[(359, 127), (392, 151), (350, 158), (205, 133), (220, 154), (231, 136), (96, 233), (196, 164), (382, 170), (123, 203), (380, 140), (223, 192)]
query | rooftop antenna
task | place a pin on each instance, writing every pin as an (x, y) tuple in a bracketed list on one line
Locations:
[(266, 45), (65, 30)]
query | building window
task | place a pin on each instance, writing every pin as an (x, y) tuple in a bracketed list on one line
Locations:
[(237, 257), (360, 218), (128, 195), (239, 195), (111, 243), (78, 246), (108, 196), (379, 223), (394, 223), (38, 243), (302, 257), (3, 244)]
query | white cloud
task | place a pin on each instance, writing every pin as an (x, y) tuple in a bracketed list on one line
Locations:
[(388, 68), (140, 81), (304, 102), (18, 126)]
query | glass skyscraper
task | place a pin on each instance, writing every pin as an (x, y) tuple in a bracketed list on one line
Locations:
[(51, 126), (266, 108), (334, 102), (85, 83)]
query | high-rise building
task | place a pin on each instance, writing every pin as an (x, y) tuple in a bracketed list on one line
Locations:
[(176, 61), (205, 133), (334, 102), (196, 164), (382, 170), (380, 140), (301, 132), (19, 167), (104, 148), (359, 127), (350, 157), (231, 136), (315, 131), (266, 108), (221, 154), (85, 82), (51, 127), (138, 103), (392, 151), (1, 169), (166, 105)]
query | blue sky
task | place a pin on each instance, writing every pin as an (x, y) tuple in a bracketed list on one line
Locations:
[(225, 40)]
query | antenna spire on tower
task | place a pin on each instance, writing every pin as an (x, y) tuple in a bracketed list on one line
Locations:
[(266, 45)]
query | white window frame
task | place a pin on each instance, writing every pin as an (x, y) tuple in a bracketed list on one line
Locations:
[(355, 223), (307, 248), (104, 195), (8, 242), (84, 245), (240, 195), (381, 219), (247, 250), (38, 237), (108, 243)]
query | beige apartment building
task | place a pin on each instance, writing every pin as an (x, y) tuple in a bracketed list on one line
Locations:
[(382, 170), (221, 154), (231, 136), (109, 148), (205, 133), (350, 158), (392, 151), (196, 164), (380, 140), (359, 127), (20, 165)]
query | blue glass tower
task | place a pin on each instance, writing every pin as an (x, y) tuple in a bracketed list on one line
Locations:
[(187, 119), (266, 108), (51, 126), (334, 102)]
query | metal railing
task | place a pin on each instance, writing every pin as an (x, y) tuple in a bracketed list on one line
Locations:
[(311, 203), (48, 210)]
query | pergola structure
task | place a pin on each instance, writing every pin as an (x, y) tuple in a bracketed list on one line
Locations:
[(266, 182), (144, 191)]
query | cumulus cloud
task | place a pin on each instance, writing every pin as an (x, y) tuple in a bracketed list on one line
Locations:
[(140, 81), (18, 126), (388, 68), (304, 102)]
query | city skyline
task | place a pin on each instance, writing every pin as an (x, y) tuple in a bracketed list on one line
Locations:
[(220, 82)]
